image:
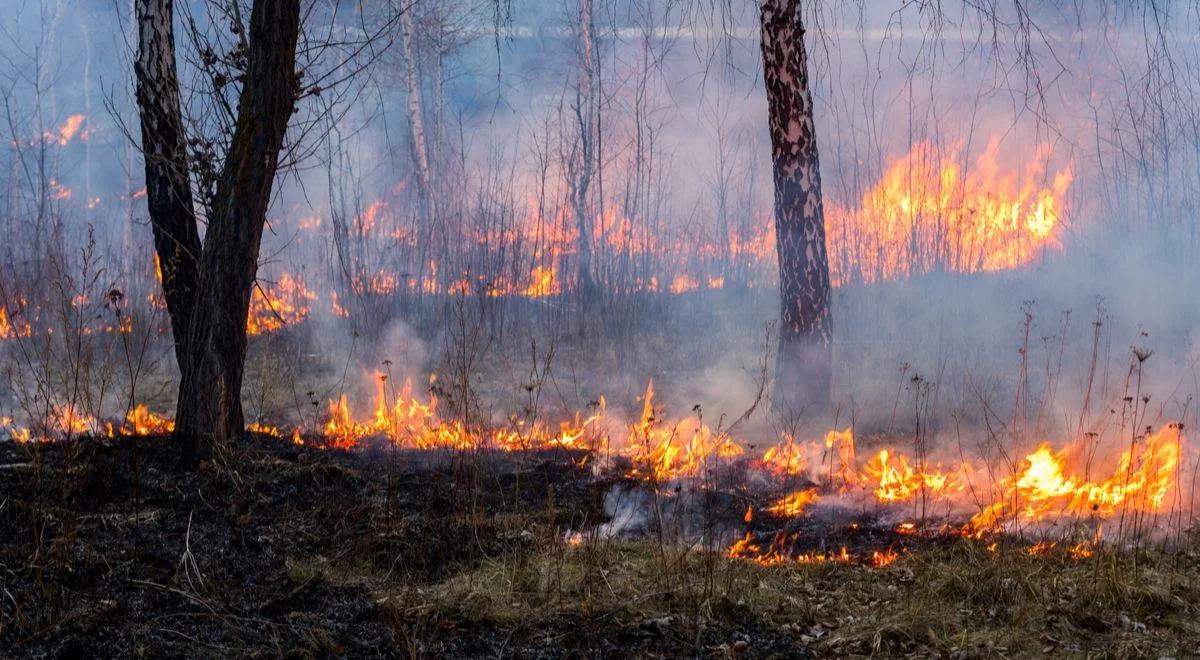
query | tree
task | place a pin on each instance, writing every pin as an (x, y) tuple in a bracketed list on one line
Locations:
[(207, 285), (426, 210), (582, 158), (803, 371)]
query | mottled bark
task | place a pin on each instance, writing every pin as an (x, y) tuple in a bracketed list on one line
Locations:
[(208, 287), (416, 116), (580, 166), (418, 143), (803, 371)]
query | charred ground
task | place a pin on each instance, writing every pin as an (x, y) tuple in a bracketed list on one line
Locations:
[(108, 549)]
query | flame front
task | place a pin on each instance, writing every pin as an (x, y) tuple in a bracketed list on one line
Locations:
[(927, 213), (1043, 488), (795, 503)]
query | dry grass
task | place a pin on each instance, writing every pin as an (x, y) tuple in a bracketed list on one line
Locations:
[(961, 600)]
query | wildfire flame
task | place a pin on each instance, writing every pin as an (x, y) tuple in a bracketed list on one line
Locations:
[(795, 503), (273, 306), (1043, 487), (141, 422), (927, 213), (10, 330), (663, 452), (895, 480), (68, 130), (1047, 485)]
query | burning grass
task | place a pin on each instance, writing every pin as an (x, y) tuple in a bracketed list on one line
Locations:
[(1046, 488)]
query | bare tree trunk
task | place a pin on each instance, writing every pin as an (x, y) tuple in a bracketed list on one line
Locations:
[(210, 405), (164, 150), (580, 176), (418, 142), (803, 371), (208, 287), (416, 107)]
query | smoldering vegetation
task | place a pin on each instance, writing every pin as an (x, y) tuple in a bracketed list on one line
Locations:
[(513, 340)]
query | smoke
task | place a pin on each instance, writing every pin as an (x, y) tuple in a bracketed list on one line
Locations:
[(627, 510), (685, 156)]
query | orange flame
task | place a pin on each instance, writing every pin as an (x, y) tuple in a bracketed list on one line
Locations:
[(662, 452), (69, 128), (1141, 482), (273, 306), (795, 503), (927, 213)]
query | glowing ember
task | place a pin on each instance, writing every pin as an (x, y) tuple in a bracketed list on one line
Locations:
[(59, 192)]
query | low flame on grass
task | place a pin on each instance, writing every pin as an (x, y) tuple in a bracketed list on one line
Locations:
[(265, 429), (778, 552), (1043, 487), (881, 558), (794, 504), (406, 421), (664, 451), (140, 421), (895, 480)]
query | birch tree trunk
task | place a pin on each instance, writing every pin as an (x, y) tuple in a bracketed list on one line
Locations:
[(803, 370), (418, 142), (580, 168)]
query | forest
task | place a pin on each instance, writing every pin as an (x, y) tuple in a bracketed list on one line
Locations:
[(599, 328)]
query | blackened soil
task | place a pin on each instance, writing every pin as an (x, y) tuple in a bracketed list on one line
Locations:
[(108, 548)]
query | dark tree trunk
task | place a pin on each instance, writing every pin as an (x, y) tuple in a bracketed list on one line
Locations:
[(210, 406), (209, 317), (803, 371), (164, 150)]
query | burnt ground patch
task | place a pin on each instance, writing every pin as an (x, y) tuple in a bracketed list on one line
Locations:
[(108, 549)]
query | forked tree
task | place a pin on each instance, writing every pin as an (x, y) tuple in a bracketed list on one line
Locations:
[(804, 364), (208, 283)]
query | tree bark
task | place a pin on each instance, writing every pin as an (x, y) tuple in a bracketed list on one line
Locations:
[(164, 152), (208, 287), (416, 122), (803, 371), (210, 405), (580, 169)]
